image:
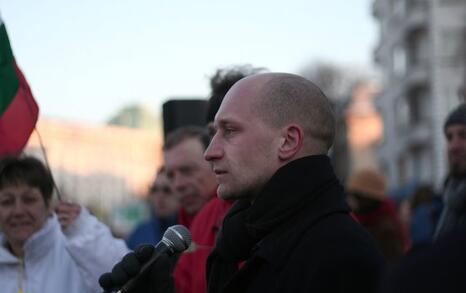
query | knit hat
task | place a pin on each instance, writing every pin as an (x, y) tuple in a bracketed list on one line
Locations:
[(457, 116), (367, 183)]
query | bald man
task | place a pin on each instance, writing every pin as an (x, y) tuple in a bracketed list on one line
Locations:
[(290, 230)]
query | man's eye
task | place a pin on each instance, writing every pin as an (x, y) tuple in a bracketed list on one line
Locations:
[(6, 202), (170, 175), (228, 131), (186, 170)]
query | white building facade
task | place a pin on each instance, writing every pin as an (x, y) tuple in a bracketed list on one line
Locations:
[(422, 55)]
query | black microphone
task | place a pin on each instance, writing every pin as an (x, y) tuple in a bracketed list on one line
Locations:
[(176, 239)]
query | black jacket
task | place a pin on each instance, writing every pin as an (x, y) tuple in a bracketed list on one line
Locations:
[(306, 242)]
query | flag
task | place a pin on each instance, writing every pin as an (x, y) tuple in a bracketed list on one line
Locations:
[(18, 109)]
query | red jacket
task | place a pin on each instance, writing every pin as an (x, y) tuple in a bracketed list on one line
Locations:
[(184, 218), (386, 228), (189, 272)]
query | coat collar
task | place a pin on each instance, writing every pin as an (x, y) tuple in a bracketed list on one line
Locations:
[(38, 245), (310, 179)]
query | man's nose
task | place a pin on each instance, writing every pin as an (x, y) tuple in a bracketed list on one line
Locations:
[(213, 150), (179, 182)]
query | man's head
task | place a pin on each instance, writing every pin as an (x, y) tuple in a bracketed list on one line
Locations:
[(161, 197), (264, 122), (189, 174), (221, 82), (455, 133)]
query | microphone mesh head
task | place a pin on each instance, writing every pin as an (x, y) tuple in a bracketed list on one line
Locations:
[(179, 236)]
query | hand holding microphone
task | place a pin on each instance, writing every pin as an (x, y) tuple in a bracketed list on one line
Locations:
[(148, 266)]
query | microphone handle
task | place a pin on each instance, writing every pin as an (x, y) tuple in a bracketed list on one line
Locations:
[(159, 250)]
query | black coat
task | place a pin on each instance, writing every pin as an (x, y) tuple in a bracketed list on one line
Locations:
[(320, 248), (440, 267)]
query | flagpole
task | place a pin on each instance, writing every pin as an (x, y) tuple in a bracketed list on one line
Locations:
[(42, 148)]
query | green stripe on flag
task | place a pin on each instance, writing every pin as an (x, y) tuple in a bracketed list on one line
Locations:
[(8, 80)]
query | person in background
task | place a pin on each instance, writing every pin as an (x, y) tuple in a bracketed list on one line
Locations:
[(194, 185), (220, 82), (425, 208), (453, 216), (366, 195), (441, 267), (188, 174), (163, 205), (47, 248)]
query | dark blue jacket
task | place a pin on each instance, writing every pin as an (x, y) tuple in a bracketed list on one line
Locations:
[(150, 231)]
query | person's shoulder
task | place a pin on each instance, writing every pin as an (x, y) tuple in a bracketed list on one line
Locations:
[(336, 247), (415, 270), (340, 236), (142, 233), (144, 225)]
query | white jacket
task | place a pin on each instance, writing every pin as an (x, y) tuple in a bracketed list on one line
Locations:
[(58, 262)]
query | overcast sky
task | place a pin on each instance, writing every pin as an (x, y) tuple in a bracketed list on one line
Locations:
[(86, 59)]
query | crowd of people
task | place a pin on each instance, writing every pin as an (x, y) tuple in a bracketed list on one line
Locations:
[(257, 190)]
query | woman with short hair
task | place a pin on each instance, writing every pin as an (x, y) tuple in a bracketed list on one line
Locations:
[(46, 249)]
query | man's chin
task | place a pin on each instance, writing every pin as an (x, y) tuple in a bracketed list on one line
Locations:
[(226, 195)]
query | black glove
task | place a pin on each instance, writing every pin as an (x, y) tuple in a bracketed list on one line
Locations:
[(156, 280)]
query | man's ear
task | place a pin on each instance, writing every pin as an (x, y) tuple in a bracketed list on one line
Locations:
[(292, 142)]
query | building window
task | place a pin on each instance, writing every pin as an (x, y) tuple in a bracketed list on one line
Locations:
[(400, 7), (418, 102), (416, 5), (402, 170), (399, 61), (402, 113), (416, 156), (448, 2), (418, 47), (453, 45)]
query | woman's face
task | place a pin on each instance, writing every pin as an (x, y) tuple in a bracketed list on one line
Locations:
[(23, 212)]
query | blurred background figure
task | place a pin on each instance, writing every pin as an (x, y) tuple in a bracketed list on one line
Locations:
[(367, 198), (424, 211), (220, 82), (440, 267), (47, 248), (454, 194), (163, 205)]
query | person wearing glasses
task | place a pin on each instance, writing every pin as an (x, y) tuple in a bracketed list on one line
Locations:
[(163, 205)]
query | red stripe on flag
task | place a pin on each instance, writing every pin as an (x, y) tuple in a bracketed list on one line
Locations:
[(19, 119)]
